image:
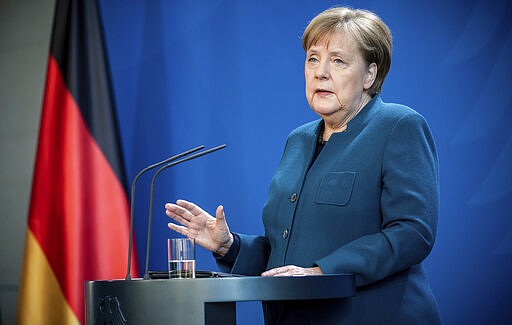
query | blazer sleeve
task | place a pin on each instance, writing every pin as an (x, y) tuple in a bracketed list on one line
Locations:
[(252, 256), (409, 208)]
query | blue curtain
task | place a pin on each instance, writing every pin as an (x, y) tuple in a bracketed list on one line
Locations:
[(209, 72)]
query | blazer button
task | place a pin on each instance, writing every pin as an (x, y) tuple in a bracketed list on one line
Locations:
[(285, 233), (293, 198)]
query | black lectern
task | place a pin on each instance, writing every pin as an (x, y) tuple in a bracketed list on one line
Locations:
[(201, 301)]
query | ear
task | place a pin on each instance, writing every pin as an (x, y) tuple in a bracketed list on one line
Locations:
[(371, 74)]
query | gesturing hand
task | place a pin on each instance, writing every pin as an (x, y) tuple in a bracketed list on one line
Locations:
[(292, 270), (208, 232)]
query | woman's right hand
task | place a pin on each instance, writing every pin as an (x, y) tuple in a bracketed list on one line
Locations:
[(208, 232)]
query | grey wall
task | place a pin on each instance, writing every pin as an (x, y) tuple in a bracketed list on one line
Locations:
[(25, 28)]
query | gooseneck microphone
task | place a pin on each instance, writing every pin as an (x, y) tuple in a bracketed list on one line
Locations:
[(150, 217), (142, 171)]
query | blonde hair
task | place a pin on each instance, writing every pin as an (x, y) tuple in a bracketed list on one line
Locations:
[(371, 34)]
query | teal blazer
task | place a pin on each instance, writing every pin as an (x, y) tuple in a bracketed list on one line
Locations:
[(367, 205)]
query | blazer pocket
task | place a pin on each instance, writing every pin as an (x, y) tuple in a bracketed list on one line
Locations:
[(336, 188)]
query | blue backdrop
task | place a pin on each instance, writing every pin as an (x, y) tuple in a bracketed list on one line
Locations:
[(209, 72)]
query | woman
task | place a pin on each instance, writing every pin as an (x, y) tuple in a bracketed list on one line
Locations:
[(361, 184)]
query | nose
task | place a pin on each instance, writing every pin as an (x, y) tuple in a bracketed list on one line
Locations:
[(322, 70)]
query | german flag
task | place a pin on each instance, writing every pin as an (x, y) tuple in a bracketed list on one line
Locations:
[(78, 222)]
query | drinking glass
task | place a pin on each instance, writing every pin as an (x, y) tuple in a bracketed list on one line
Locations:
[(181, 255)]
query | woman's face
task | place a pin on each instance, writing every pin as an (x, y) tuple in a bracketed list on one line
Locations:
[(337, 76)]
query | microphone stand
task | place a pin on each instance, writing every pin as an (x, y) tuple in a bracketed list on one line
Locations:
[(150, 217), (130, 244)]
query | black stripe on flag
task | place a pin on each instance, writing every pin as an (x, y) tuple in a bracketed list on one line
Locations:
[(79, 50)]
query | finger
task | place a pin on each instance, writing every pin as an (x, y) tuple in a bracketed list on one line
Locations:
[(219, 213), (191, 207), (267, 273), (293, 270), (179, 229), (288, 270), (188, 232), (273, 272), (177, 210), (178, 218), (220, 216)]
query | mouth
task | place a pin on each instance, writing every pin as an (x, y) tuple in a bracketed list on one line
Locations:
[(323, 92)]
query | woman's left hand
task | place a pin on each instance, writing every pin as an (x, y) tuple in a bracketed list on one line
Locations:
[(292, 270)]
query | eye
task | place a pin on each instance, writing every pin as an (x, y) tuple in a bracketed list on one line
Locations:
[(313, 59), (338, 61)]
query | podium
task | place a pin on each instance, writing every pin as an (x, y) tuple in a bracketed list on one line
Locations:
[(210, 301)]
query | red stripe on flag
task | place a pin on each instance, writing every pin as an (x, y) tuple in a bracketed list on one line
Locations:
[(79, 212)]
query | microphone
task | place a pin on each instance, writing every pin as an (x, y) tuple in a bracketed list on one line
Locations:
[(150, 217), (142, 171)]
